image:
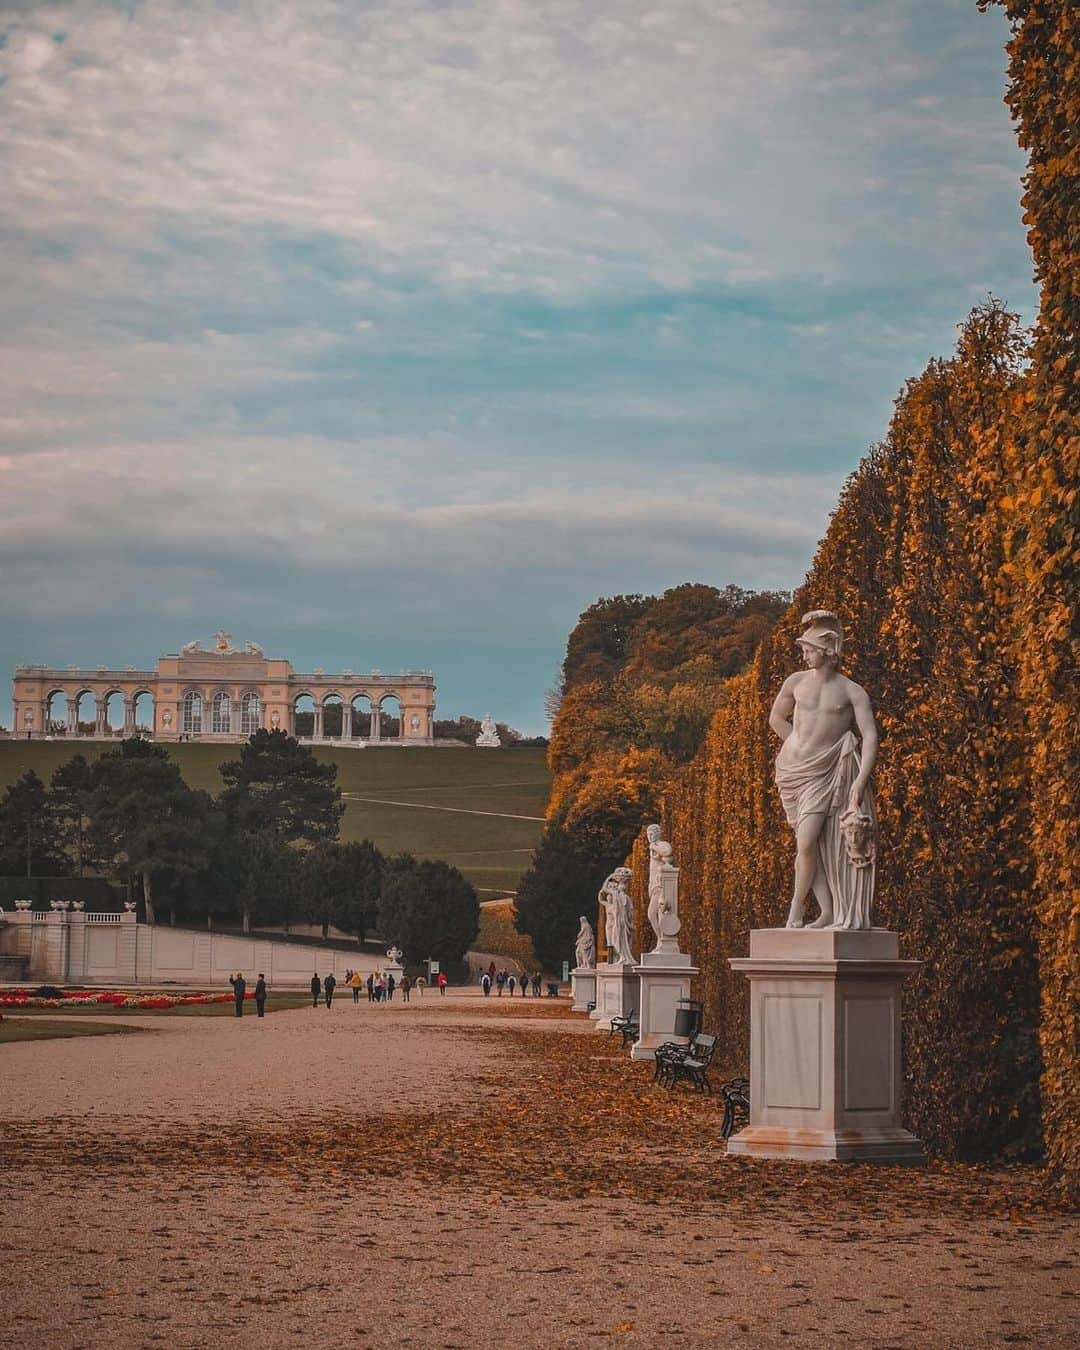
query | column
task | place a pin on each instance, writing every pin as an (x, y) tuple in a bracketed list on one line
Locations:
[(72, 714), (99, 715), (376, 722), (346, 721), (129, 716), (317, 727)]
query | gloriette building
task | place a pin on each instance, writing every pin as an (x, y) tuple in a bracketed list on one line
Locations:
[(224, 693)]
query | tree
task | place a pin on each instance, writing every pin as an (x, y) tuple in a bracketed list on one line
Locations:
[(27, 839), (278, 786), (428, 909), (558, 888), (69, 796), (340, 885), (144, 819)]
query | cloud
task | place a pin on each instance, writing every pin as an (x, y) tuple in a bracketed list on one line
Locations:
[(481, 308)]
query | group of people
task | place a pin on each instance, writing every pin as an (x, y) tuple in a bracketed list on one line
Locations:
[(380, 987), (239, 987), (511, 982)]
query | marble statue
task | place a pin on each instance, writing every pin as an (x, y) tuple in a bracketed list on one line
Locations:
[(618, 917), (395, 954), (489, 735), (585, 946), (191, 648), (660, 854), (823, 771)]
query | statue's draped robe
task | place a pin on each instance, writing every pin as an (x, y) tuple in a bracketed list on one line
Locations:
[(820, 785)]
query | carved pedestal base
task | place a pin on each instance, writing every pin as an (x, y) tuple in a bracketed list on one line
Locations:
[(825, 1080), (617, 990), (392, 968), (582, 989), (664, 979)]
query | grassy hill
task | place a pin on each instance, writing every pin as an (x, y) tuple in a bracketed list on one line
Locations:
[(419, 801)]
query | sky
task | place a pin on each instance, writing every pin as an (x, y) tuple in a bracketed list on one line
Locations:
[(395, 334)]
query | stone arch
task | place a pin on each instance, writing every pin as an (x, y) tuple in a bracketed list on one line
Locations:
[(303, 718), (85, 706), (192, 713), (113, 719), (332, 721), (249, 712), (56, 717), (139, 719), (361, 716), (221, 713), (391, 724)]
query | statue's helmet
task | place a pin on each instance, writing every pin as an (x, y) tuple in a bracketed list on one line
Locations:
[(823, 630)]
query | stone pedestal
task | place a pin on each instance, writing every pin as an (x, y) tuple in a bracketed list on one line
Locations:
[(393, 968), (582, 989), (617, 990), (825, 1073), (664, 978)]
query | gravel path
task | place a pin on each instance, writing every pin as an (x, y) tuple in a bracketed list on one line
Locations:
[(196, 1254)]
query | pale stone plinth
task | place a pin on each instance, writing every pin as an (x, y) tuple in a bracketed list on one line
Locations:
[(664, 978), (582, 989), (393, 968), (617, 990), (825, 1074)]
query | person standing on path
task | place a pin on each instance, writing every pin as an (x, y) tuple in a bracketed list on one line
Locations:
[(500, 980), (239, 988), (390, 986), (524, 983), (485, 984), (406, 985), (316, 990), (354, 983), (260, 995), (536, 984), (442, 983), (371, 986), (328, 987)]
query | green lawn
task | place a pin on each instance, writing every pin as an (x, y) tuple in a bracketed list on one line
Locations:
[(492, 850), (15, 1029)]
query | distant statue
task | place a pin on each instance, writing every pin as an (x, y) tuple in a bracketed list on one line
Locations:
[(660, 855), (489, 734), (191, 648), (253, 649), (395, 954), (823, 775), (585, 946), (618, 917), (223, 642)]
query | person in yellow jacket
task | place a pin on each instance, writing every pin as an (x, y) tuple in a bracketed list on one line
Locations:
[(355, 984)]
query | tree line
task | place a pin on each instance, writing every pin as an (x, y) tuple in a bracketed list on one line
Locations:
[(265, 849)]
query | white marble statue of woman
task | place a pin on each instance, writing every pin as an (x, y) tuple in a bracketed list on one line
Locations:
[(823, 775), (618, 917), (585, 946), (660, 853)]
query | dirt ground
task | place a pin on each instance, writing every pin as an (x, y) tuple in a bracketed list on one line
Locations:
[(458, 1172)]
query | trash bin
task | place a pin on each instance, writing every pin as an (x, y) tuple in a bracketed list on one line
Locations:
[(688, 1017)]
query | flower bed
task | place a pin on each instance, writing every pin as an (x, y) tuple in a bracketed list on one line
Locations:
[(109, 998)]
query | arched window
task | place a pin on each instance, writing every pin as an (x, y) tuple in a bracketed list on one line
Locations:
[(192, 723), (221, 714), (250, 714)]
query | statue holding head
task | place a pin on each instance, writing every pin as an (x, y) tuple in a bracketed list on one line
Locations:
[(823, 772), (585, 946), (618, 917)]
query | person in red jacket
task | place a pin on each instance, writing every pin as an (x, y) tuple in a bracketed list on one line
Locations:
[(442, 982)]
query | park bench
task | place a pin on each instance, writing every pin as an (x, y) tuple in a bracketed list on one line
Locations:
[(627, 1027), (736, 1095), (686, 1063)]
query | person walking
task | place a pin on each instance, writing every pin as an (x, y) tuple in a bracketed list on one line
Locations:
[(524, 983), (239, 988), (500, 980), (329, 985), (260, 995), (442, 983), (391, 984), (371, 986), (511, 984), (536, 984), (316, 990), (406, 985), (354, 984), (485, 984)]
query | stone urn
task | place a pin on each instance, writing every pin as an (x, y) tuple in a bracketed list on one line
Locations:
[(130, 906), (23, 905), (78, 905)]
